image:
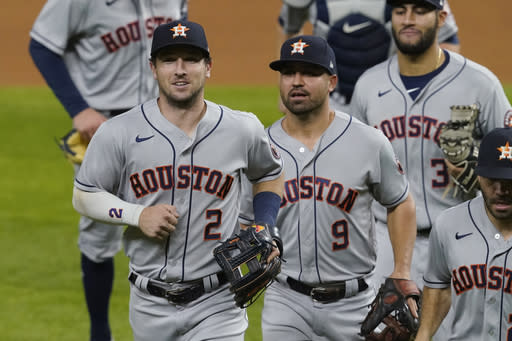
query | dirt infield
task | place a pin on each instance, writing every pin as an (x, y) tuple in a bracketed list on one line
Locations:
[(243, 38)]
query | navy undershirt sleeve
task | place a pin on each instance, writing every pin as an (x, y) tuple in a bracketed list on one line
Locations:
[(56, 74), (265, 206)]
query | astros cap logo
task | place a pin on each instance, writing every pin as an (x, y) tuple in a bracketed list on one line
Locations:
[(506, 152), (179, 31), (298, 47)]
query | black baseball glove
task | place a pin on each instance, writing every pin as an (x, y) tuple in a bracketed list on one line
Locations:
[(73, 146), (390, 308), (459, 145), (243, 258)]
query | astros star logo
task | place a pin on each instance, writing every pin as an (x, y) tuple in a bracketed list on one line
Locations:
[(179, 31), (506, 152), (298, 47)]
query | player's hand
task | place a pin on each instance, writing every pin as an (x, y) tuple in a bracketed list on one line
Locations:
[(413, 307), (158, 221), (275, 252), (87, 121), (411, 302)]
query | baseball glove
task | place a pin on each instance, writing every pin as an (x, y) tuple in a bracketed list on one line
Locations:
[(460, 147), (390, 308), (73, 146), (392, 330), (243, 258)]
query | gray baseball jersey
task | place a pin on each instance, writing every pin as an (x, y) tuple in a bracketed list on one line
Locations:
[(413, 126), (327, 227), (469, 254), (142, 158), (325, 218), (101, 43)]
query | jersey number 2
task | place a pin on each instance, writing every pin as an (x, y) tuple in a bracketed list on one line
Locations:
[(216, 219)]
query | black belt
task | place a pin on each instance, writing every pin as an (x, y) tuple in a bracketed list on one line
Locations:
[(424, 232), (116, 112), (112, 112), (178, 292), (328, 293)]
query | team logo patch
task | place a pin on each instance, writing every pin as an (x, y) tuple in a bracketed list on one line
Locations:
[(506, 152), (258, 228), (275, 152), (180, 31), (507, 123), (298, 47), (399, 166)]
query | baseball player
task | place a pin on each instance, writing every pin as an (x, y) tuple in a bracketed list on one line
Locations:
[(165, 170), (335, 166), (357, 30), (408, 97), (468, 262), (93, 55)]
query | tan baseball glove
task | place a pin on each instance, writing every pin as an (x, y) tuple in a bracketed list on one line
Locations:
[(460, 147), (73, 146)]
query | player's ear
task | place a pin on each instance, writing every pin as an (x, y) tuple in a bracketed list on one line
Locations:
[(333, 80), (441, 16), (208, 63), (153, 68)]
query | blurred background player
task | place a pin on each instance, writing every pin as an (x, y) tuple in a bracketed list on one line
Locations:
[(94, 57), (468, 262), (409, 97), (357, 30), (157, 169), (335, 167)]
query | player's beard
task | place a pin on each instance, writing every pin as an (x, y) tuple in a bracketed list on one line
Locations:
[(180, 101), (183, 103), (303, 108), (500, 215), (427, 40)]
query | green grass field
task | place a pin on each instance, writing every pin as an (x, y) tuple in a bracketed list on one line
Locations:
[(42, 296)]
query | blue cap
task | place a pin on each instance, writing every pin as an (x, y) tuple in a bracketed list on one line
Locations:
[(495, 155), (308, 49), (439, 4), (179, 32)]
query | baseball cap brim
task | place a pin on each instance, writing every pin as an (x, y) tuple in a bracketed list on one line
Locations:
[(494, 172), (434, 4), (205, 52), (277, 65)]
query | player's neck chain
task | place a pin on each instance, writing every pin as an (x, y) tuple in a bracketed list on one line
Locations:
[(439, 57)]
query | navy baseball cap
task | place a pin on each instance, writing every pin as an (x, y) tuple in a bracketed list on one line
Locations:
[(439, 4), (308, 49), (179, 32), (495, 155)]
